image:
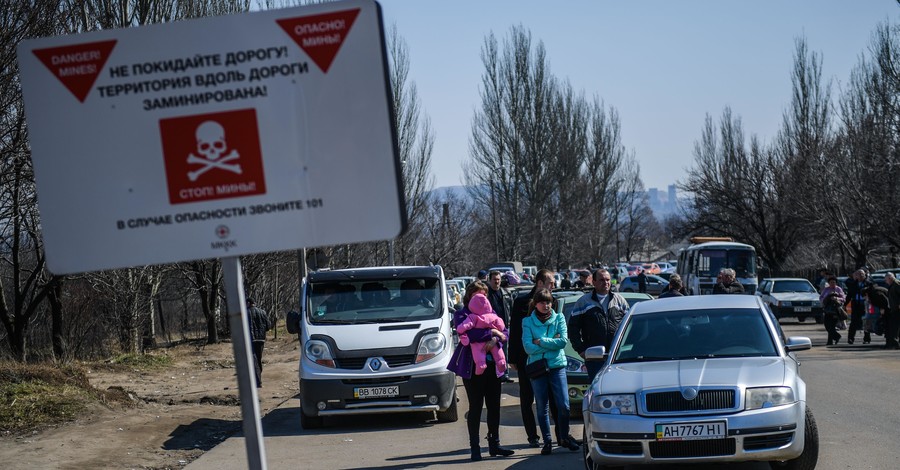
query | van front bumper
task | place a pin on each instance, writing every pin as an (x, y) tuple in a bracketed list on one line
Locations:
[(330, 397)]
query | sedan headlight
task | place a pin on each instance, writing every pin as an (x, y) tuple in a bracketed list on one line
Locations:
[(766, 397), (784, 303), (430, 346), (319, 352), (613, 404), (817, 303), (574, 365)]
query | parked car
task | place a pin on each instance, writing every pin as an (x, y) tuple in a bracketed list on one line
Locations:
[(651, 268), (699, 380), (666, 267), (791, 297), (655, 284)]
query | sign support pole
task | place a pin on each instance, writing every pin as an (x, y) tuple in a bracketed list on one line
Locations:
[(243, 362)]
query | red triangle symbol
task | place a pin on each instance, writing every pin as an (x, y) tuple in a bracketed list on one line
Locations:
[(78, 66), (320, 36)]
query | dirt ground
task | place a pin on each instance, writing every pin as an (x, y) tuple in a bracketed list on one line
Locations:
[(179, 412)]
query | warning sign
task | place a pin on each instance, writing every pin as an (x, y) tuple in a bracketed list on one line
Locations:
[(320, 36), (225, 136), (78, 66), (212, 156)]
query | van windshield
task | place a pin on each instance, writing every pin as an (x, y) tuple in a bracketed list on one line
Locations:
[(374, 301)]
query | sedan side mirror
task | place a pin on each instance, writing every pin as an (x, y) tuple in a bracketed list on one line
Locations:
[(797, 343), (595, 353)]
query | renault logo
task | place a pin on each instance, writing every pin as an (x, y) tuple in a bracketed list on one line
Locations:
[(374, 363)]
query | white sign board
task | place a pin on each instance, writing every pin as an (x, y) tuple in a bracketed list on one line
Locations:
[(214, 137)]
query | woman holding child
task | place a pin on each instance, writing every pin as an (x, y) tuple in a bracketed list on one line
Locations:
[(482, 384)]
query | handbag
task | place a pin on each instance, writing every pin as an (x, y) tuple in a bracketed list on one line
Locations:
[(537, 368)]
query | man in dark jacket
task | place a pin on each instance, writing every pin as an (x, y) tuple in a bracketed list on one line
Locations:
[(728, 284), (856, 298), (500, 299), (517, 357), (595, 318), (878, 297), (642, 282), (892, 325), (259, 325)]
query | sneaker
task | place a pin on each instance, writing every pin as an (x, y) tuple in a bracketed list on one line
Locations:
[(534, 442)]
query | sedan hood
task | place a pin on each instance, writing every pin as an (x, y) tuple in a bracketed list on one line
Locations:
[(743, 371)]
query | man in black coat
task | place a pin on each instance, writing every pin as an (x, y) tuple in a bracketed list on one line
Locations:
[(728, 284), (856, 298), (500, 300)]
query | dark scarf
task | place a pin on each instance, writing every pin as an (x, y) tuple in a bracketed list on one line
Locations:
[(543, 318)]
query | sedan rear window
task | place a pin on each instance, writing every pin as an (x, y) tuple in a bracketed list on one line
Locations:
[(697, 334)]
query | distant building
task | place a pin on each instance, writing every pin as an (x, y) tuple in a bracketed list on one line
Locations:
[(663, 203)]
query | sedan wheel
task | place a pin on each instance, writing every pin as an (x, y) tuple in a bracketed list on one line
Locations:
[(807, 460)]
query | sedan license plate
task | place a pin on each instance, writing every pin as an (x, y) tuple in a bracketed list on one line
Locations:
[(690, 431), (376, 392), (803, 309)]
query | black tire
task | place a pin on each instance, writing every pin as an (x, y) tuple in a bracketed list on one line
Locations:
[(589, 463), (311, 422), (807, 460), (451, 415)]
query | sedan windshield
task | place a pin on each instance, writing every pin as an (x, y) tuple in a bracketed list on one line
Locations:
[(697, 334), (374, 301)]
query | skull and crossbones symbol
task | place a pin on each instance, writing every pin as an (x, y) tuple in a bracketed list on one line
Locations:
[(211, 145)]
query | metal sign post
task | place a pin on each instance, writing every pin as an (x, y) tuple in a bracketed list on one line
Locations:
[(243, 362)]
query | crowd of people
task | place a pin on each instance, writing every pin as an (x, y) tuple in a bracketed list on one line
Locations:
[(499, 332)]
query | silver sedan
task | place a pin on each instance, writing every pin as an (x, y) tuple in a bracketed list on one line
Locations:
[(699, 379)]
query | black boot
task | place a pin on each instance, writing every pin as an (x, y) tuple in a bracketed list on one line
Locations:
[(495, 449), (476, 449)]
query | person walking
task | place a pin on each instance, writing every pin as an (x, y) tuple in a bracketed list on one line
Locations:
[(259, 325), (857, 301), (481, 390), (892, 325), (521, 309), (544, 337), (877, 298), (595, 318), (832, 298)]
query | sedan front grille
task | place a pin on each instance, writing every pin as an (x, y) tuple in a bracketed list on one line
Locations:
[(706, 400), (357, 363), (686, 449)]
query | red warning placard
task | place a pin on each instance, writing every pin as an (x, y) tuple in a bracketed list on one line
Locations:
[(77, 66), (320, 36), (212, 156)]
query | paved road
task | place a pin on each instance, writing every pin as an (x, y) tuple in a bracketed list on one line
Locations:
[(852, 391)]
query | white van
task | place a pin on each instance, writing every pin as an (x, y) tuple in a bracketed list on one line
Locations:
[(375, 340)]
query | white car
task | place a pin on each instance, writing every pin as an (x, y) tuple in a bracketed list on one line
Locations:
[(699, 379), (791, 297)]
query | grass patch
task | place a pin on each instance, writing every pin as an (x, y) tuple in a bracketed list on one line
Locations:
[(36, 395)]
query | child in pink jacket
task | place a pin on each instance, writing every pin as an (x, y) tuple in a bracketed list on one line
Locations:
[(483, 316)]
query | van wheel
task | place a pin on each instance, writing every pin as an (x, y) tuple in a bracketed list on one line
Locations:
[(311, 422), (451, 415)]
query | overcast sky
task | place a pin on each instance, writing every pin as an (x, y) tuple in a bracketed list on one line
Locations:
[(662, 64)]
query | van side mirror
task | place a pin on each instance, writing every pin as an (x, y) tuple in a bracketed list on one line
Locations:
[(292, 322)]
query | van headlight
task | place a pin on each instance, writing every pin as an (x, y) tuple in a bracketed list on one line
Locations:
[(430, 346), (613, 404), (319, 352), (765, 397)]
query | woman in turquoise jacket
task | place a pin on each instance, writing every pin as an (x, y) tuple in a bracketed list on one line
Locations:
[(544, 336)]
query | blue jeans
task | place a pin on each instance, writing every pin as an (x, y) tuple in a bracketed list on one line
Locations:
[(554, 380)]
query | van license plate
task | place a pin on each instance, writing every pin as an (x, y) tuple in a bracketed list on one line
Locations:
[(376, 392), (802, 309), (690, 431)]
